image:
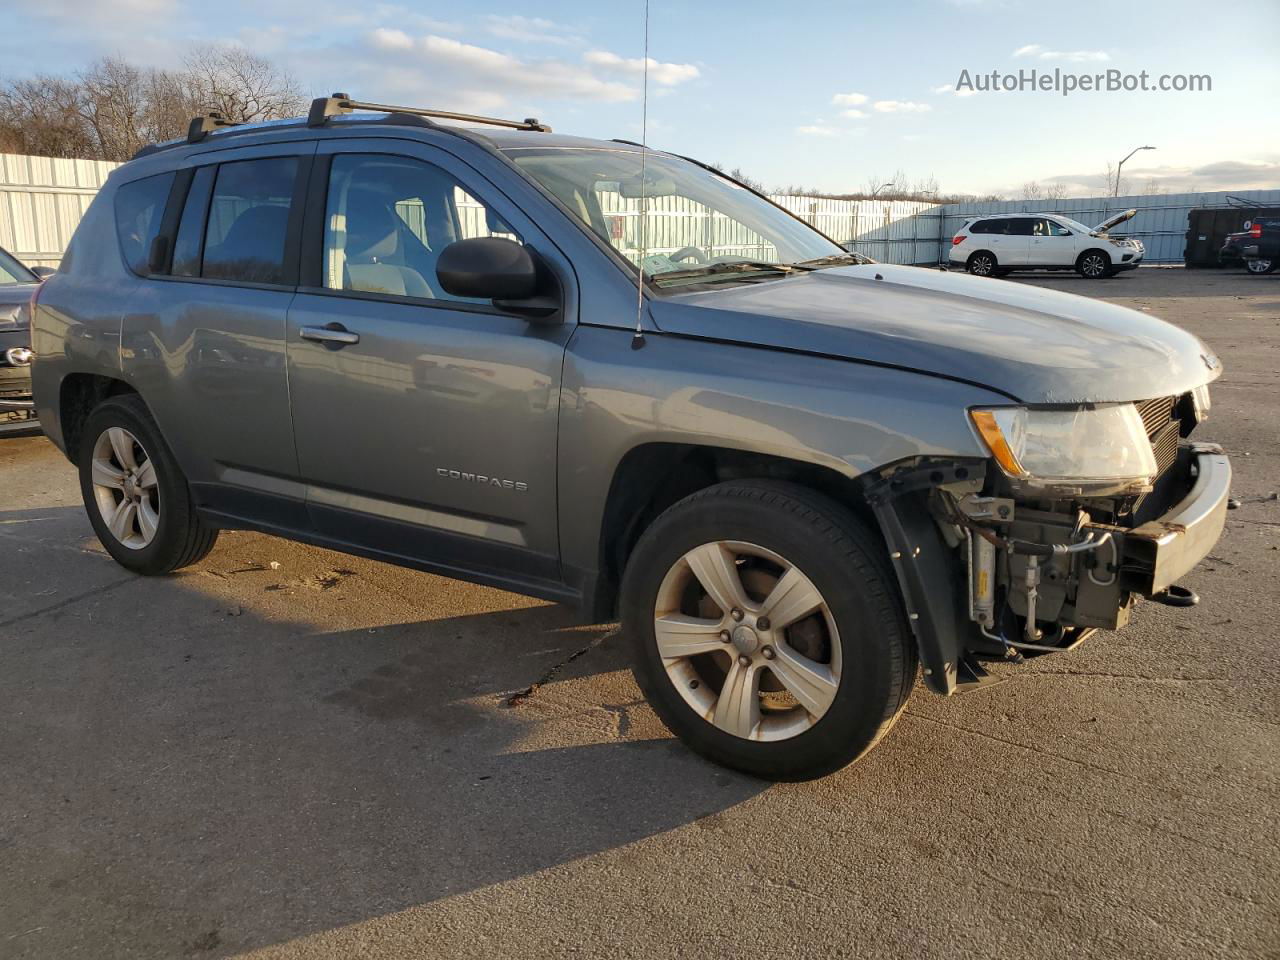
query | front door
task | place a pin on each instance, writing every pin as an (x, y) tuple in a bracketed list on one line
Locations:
[(1051, 244), (426, 428)]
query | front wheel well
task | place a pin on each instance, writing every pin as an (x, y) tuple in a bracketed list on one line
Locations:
[(655, 476), (78, 395)]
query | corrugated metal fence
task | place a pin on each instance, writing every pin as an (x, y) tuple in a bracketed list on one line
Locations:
[(41, 201)]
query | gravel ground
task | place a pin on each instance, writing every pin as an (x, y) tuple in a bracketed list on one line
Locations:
[(287, 752)]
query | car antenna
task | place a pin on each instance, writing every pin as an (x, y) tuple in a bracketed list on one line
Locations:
[(637, 339)]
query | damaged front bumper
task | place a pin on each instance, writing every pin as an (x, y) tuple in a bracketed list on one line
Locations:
[(1052, 577)]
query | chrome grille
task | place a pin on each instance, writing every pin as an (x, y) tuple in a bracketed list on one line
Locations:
[(1156, 413)]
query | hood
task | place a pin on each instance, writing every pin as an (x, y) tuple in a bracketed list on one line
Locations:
[(1034, 345), (1110, 222)]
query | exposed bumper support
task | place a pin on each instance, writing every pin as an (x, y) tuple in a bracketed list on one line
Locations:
[(1162, 551)]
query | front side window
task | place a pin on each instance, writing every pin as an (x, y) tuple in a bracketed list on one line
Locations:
[(249, 220), (679, 217), (388, 218), (139, 208)]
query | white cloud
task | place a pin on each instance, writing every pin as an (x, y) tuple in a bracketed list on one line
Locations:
[(849, 99), (854, 114), (951, 88), (1069, 56), (385, 38), (479, 73), (531, 29), (900, 106), (817, 130), (664, 74)]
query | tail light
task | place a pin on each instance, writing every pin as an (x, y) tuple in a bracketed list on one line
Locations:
[(1255, 231), (957, 239)]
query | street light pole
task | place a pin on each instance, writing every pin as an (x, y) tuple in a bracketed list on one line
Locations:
[(1120, 166), (876, 191)]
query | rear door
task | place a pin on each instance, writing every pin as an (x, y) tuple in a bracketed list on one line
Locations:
[(204, 340), (1015, 250), (430, 433)]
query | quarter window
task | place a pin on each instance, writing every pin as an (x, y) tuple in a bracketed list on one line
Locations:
[(139, 209), (388, 218), (249, 220)]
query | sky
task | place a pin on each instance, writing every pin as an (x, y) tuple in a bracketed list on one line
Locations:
[(825, 95)]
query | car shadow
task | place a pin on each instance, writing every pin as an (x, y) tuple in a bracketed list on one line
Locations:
[(185, 774)]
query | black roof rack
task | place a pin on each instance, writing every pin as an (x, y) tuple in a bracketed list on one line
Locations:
[(322, 108), (202, 126)]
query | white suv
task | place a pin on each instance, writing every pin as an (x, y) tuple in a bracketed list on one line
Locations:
[(995, 245)]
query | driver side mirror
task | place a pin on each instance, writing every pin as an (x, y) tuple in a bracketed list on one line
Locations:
[(501, 270), (44, 272)]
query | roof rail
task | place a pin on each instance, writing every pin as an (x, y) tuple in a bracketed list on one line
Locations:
[(322, 108), (200, 127)]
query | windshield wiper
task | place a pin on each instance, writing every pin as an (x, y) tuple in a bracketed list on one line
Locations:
[(710, 272), (833, 260)]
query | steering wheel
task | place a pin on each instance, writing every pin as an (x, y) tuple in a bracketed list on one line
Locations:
[(686, 252)]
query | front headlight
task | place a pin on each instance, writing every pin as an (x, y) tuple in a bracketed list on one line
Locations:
[(1095, 449)]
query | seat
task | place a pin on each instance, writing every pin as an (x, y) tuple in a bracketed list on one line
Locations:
[(373, 251), (253, 248)]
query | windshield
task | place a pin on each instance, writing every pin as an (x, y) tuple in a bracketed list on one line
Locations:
[(696, 225), (1075, 225), (11, 271)]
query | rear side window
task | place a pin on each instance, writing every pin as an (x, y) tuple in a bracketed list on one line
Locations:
[(249, 220), (980, 226), (1021, 226), (139, 210)]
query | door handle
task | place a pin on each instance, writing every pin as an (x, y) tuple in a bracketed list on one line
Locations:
[(331, 334)]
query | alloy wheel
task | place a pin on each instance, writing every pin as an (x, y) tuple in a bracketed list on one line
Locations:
[(1258, 266), (981, 265), (125, 488), (1094, 265), (748, 640)]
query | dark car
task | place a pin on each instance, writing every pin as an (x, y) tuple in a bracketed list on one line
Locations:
[(1260, 245), (17, 283), (1229, 255)]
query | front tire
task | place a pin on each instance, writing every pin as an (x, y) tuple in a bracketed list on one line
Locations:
[(1094, 265), (1259, 266), (137, 498), (818, 661)]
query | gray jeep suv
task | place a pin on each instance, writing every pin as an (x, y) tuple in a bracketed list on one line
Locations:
[(616, 378)]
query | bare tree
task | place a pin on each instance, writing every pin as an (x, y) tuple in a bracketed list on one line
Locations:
[(43, 116), (240, 85), (1113, 180), (113, 108), (1031, 190), (1055, 190)]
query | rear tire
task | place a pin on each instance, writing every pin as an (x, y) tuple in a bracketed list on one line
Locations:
[(135, 494), (982, 264), (851, 658), (1260, 266)]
